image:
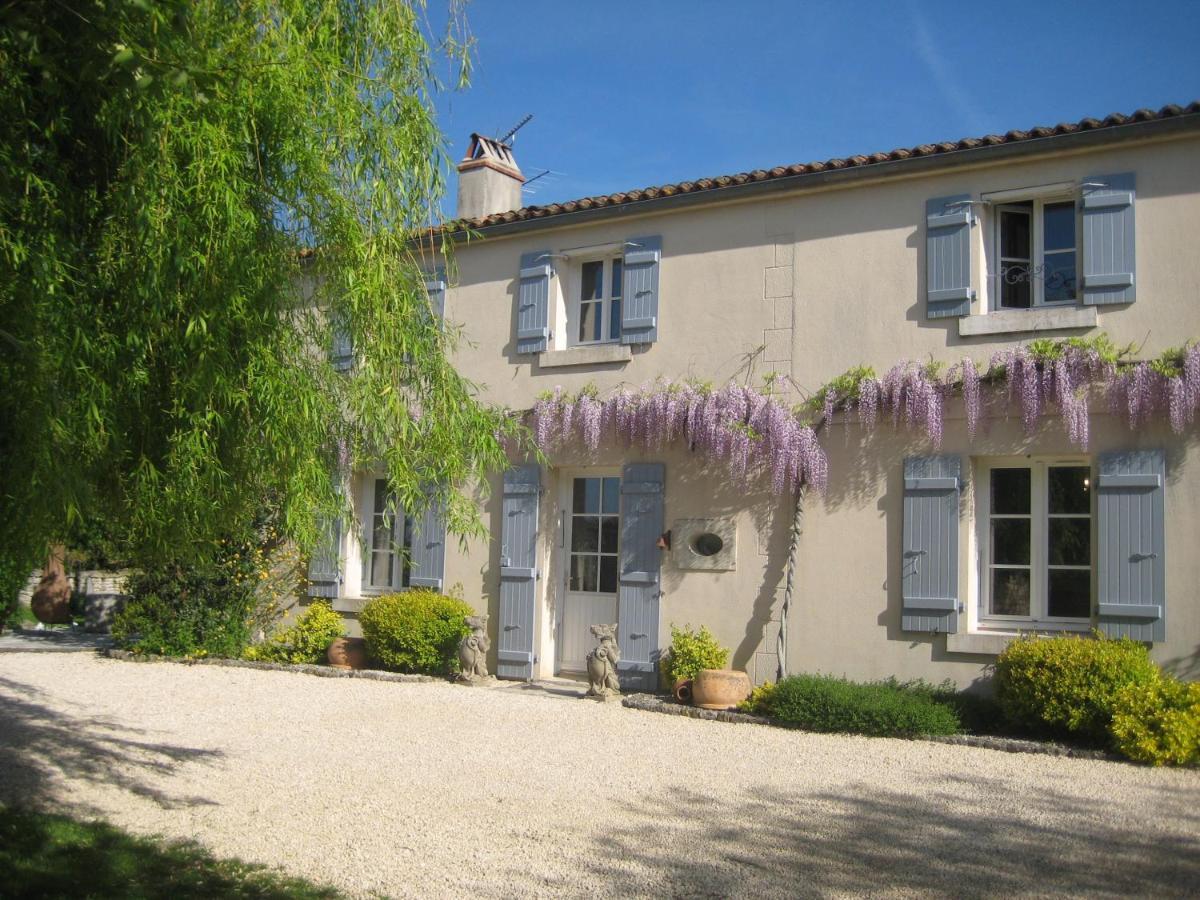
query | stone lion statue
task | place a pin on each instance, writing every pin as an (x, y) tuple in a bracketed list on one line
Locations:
[(602, 663), (473, 650)]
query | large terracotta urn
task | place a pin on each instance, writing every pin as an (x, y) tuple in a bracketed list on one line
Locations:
[(51, 601), (347, 653), (720, 688)]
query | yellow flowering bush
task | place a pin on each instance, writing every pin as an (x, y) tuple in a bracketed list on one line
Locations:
[(1159, 722), (304, 642), (1068, 685)]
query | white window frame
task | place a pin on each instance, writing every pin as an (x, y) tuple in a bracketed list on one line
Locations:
[(1039, 619), (575, 301), (1038, 199), (401, 552)]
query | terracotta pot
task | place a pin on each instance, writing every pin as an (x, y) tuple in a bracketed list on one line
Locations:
[(682, 689), (347, 653), (720, 688)]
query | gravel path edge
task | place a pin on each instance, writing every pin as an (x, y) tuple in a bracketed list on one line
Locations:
[(656, 704), (299, 668)]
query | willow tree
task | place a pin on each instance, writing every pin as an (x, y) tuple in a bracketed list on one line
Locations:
[(193, 193)]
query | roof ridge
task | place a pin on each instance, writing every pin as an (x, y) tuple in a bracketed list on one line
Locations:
[(652, 192)]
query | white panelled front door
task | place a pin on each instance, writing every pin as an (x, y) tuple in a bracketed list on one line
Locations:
[(590, 507)]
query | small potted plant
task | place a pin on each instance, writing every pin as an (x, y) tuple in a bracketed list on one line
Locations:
[(695, 669)]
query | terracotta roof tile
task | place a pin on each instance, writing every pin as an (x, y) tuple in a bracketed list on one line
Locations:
[(709, 184)]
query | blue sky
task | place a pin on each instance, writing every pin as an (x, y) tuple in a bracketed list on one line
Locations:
[(630, 94)]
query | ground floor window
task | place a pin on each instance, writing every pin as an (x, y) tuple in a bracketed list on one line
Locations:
[(390, 535), (1036, 542)]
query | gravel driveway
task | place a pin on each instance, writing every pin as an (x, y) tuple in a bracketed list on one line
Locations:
[(438, 790)]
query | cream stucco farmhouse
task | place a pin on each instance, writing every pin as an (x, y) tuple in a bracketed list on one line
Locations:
[(972, 511)]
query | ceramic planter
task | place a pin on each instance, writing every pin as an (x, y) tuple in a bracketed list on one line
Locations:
[(347, 653), (682, 690), (720, 688)]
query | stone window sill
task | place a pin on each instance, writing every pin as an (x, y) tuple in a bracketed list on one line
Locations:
[(993, 643), (592, 355), (1014, 321)]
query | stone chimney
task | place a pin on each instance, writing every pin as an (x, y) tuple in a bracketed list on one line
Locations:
[(488, 179)]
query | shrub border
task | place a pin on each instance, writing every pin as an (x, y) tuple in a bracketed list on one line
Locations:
[(657, 704), (299, 668)]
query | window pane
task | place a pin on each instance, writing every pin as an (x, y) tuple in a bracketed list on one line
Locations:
[(598, 321), (381, 533), (1070, 594), (612, 495), (1014, 285), (1010, 542), (1070, 489), (591, 285), (608, 534), (587, 495), (585, 533), (381, 569), (589, 314), (1070, 542), (1010, 592), (583, 573), (616, 278), (1058, 277), (1014, 235), (608, 574), (614, 320), (1010, 492), (1058, 220), (406, 558)]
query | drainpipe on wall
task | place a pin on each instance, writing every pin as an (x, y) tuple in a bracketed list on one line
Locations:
[(794, 541)]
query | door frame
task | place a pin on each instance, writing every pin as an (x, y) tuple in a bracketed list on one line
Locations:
[(562, 512)]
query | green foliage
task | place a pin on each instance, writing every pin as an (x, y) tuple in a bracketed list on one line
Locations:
[(304, 642), (692, 651), (46, 855), (759, 701), (1158, 722), (192, 608), (417, 631), (844, 387), (1067, 686), (826, 703), (192, 193)]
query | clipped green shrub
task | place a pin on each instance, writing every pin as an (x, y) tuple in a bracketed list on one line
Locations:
[(417, 631), (304, 642), (690, 652), (185, 611), (1067, 686), (759, 701), (826, 703), (1158, 722)]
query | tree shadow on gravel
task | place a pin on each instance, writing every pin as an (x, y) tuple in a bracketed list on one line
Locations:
[(871, 841), (39, 744)]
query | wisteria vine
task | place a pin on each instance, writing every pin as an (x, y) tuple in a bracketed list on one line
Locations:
[(754, 430), (749, 429)]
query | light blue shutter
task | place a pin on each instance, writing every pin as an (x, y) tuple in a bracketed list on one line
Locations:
[(640, 561), (427, 556), (518, 571), (639, 290), (1130, 544), (533, 302), (1108, 245), (948, 257), (929, 561), (324, 566), (435, 289)]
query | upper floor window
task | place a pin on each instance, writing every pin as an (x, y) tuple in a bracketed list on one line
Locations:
[(1036, 250), (598, 311)]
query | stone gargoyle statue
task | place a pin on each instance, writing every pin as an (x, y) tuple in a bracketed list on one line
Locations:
[(472, 652), (602, 664)]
